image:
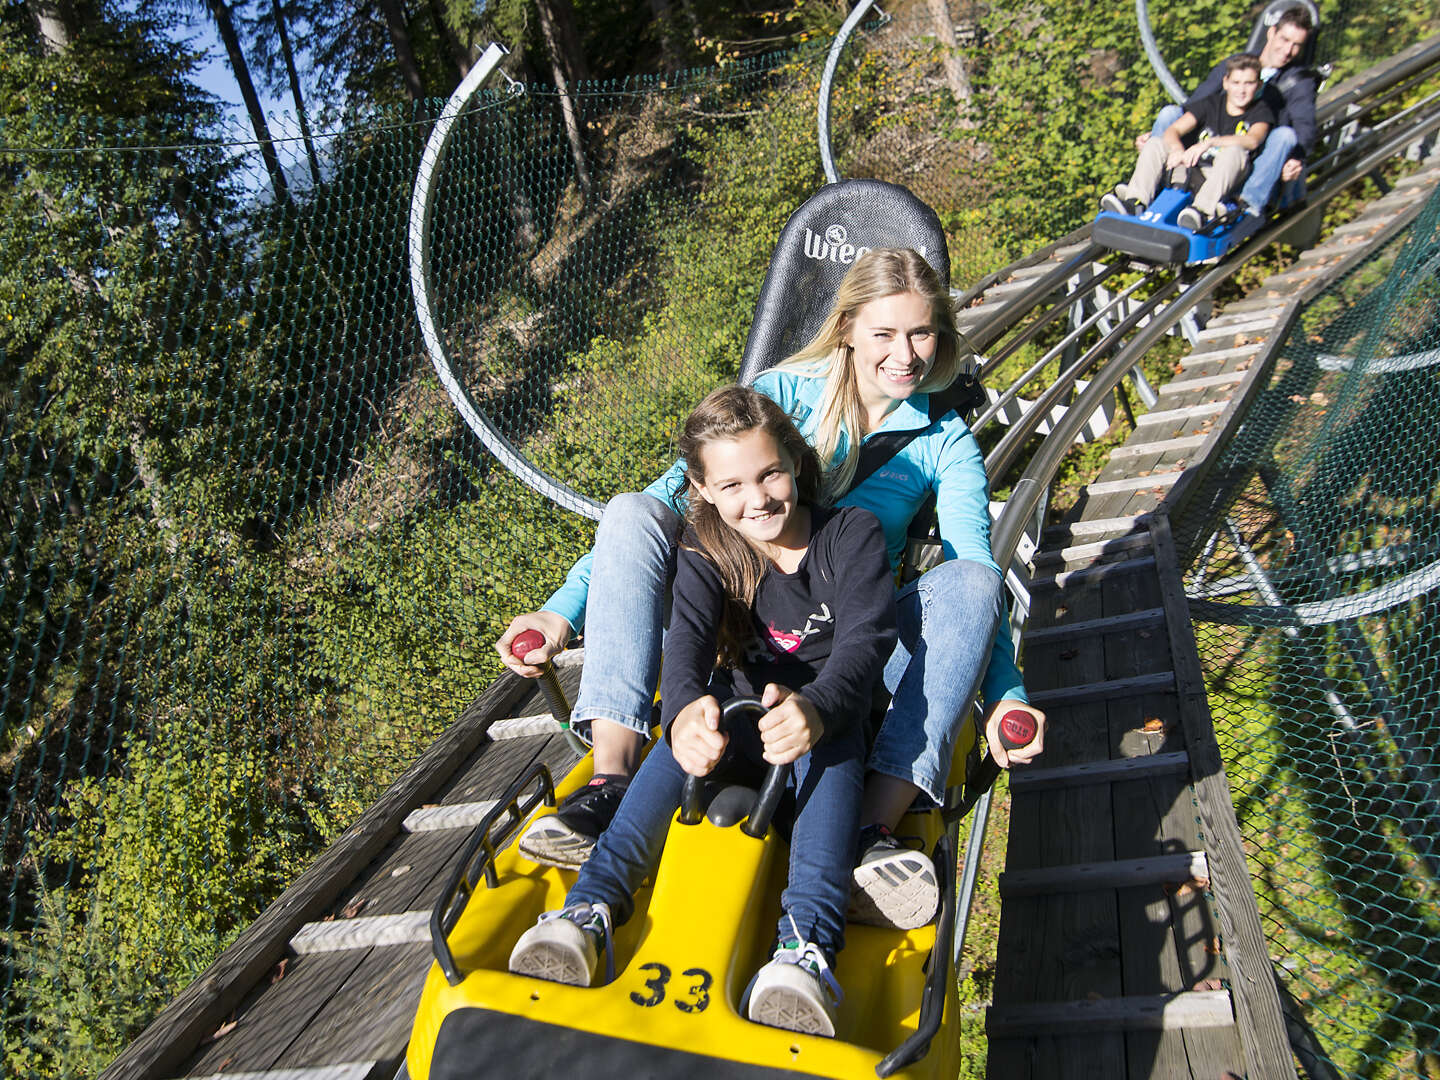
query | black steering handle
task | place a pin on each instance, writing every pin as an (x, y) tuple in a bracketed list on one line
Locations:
[(776, 777)]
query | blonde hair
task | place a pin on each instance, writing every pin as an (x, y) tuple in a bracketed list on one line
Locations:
[(729, 413), (877, 274)]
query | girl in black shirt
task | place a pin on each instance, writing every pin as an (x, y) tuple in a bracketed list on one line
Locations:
[(796, 602)]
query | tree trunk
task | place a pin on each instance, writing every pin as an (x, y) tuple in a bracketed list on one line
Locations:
[(220, 12), (955, 73), (294, 77), (56, 23), (404, 51), (459, 55), (554, 23)]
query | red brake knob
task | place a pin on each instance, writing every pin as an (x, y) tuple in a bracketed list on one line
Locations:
[(526, 642), (1017, 728)]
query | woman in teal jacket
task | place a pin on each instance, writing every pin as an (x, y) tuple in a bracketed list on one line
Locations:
[(889, 340)]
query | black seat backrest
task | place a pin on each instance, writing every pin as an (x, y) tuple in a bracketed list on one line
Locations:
[(1271, 15), (818, 245)]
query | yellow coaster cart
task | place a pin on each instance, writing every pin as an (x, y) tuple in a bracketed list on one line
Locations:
[(702, 927), (706, 921)]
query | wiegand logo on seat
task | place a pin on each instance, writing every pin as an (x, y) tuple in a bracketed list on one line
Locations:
[(835, 246)]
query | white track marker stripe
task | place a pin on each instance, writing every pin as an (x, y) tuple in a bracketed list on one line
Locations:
[(520, 727), (1159, 446), (1134, 483), (354, 1070), (1195, 359), (464, 815), (1170, 416), (337, 935), (1248, 326), (1097, 526), (1184, 386)]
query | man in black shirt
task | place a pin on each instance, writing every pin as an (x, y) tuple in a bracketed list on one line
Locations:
[(1216, 134), (1290, 87)]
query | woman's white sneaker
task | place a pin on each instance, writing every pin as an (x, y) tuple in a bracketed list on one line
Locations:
[(893, 885)]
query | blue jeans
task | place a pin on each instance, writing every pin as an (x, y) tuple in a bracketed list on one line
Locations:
[(1265, 170), (625, 611), (827, 783), (948, 618), (1265, 166)]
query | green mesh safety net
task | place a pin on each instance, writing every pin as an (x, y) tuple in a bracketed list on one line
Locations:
[(1313, 568), (253, 562)]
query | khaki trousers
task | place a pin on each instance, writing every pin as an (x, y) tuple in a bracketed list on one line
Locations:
[(1222, 170)]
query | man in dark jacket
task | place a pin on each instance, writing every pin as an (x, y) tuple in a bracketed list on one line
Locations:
[(1290, 90)]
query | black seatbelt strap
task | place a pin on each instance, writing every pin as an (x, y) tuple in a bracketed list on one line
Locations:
[(963, 395)]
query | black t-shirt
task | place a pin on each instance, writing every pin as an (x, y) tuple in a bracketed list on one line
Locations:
[(1214, 121), (828, 628), (1291, 94)]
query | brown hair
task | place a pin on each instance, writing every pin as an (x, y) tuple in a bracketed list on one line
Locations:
[(1242, 62), (1297, 17), (876, 274), (729, 413)]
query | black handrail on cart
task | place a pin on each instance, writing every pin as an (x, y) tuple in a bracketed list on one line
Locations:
[(461, 885)]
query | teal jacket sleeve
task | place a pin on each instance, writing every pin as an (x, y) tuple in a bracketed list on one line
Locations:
[(962, 508), (568, 601)]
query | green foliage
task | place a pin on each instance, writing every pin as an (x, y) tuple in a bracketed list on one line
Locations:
[(253, 561), (172, 860)]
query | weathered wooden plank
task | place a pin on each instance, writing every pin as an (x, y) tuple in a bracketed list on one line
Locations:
[(1262, 1024), (1111, 770), (1096, 1055), (1101, 691), (372, 1014), (1057, 661), (491, 769), (1122, 467), (1152, 825), (420, 889), (1108, 624), (1061, 946), (1115, 874), (1090, 574), (1192, 1009), (351, 1070), (391, 884), (1148, 825), (407, 874), (274, 1015), (199, 1009)]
